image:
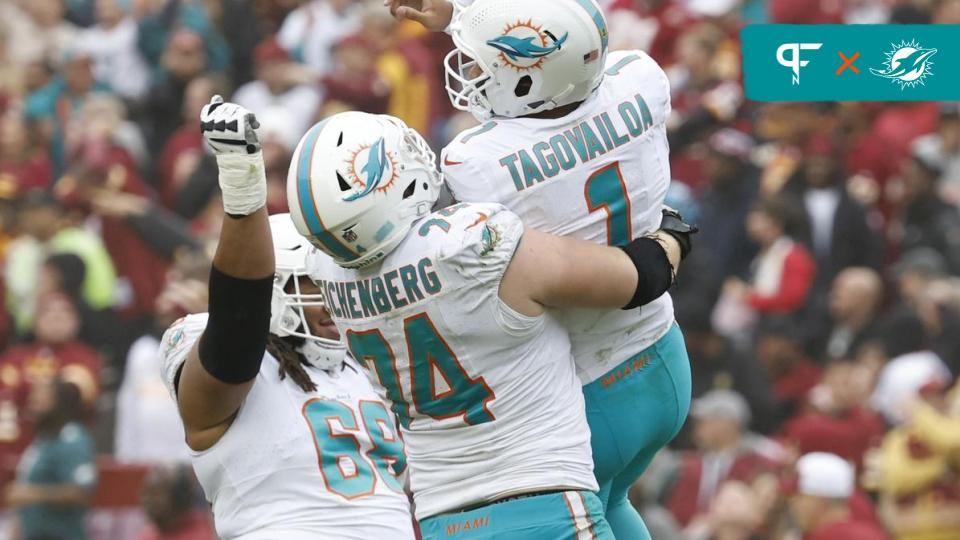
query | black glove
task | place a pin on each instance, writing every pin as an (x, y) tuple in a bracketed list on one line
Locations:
[(680, 230)]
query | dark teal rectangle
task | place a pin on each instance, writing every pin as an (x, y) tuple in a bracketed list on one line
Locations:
[(767, 80)]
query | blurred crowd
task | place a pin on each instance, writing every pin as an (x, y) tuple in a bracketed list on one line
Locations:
[(821, 307)]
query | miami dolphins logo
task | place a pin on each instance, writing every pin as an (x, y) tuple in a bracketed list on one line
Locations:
[(907, 64), (378, 168), (524, 46)]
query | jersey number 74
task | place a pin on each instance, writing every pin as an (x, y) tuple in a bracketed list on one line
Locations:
[(429, 354)]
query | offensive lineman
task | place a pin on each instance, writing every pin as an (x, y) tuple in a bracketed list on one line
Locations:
[(447, 310), (288, 437), (574, 141)]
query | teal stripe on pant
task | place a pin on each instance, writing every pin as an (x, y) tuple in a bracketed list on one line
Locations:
[(634, 410), (574, 515)]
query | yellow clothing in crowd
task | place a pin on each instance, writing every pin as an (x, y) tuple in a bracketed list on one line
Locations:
[(919, 477)]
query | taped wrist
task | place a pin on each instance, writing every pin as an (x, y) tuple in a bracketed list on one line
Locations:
[(654, 271), (243, 182), (232, 346)]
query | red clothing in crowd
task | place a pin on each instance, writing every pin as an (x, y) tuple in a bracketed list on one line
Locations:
[(197, 527), (672, 20), (365, 93), (861, 508), (184, 141), (358, 89), (691, 496), (899, 124), (806, 11), (34, 172), (438, 44), (870, 155), (135, 261), (794, 385), (796, 279), (848, 434), (25, 365), (848, 530)]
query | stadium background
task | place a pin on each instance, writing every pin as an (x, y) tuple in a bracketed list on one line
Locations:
[(821, 308)]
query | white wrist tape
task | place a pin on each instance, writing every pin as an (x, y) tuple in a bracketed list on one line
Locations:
[(243, 182)]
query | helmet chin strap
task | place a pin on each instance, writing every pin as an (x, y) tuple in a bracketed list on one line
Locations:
[(553, 102), (322, 355)]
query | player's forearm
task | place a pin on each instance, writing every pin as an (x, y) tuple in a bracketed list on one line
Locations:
[(558, 272), (671, 247), (245, 249), (608, 281)]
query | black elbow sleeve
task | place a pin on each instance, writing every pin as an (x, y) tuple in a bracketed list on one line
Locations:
[(654, 271), (232, 346)]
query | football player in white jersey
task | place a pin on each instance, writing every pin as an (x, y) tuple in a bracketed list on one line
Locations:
[(448, 312), (287, 435), (573, 140)]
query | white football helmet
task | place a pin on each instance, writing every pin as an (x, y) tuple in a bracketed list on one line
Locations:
[(519, 58), (287, 317), (357, 183)]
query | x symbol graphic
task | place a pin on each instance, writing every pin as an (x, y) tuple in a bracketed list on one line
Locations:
[(848, 63)]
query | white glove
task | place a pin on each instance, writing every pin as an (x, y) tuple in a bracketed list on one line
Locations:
[(229, 130)]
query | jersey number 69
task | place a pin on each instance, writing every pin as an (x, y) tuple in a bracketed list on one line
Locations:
[(349, 469)]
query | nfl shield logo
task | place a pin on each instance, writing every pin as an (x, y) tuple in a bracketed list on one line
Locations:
[(350, 236)]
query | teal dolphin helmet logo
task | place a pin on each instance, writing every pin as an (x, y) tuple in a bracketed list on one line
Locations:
[(907, 64), (517, 48), (524, 45), (374, 170)]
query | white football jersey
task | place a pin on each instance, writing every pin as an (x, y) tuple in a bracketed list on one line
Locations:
[(599, 174), (488, 399), (301, 465)]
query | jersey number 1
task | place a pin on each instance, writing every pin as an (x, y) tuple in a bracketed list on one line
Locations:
[(605, 190)]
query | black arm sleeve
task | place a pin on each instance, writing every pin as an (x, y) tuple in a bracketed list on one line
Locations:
[(654, 271), (232, 346)]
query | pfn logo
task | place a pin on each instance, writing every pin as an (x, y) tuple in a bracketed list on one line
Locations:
[(794, 62)]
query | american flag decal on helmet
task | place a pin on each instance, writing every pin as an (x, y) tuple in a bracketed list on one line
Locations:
[(591, 56)]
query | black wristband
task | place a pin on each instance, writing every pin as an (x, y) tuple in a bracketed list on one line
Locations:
[(235, 339), (680, 230), (654, 271)]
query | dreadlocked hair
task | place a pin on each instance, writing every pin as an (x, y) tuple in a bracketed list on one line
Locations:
[(291, 362)]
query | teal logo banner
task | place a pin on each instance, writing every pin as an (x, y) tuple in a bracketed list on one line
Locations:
[(883, 62)]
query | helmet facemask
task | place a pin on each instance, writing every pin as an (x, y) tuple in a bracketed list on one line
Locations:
[(289, 304), (289, 319), (466, 80)]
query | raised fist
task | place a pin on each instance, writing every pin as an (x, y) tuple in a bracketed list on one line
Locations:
[(229, 128)]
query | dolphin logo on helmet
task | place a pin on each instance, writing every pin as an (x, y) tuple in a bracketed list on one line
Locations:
[(516, 59), (375, 168), (516, 48)]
